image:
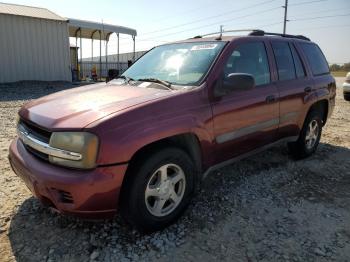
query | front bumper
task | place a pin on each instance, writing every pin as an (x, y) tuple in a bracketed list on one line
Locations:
[(85, 193)]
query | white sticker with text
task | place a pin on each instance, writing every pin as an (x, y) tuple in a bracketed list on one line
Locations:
[(204, 46)]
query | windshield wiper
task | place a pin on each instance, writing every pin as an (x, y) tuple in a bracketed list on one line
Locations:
[(158, 81), (126, 78)]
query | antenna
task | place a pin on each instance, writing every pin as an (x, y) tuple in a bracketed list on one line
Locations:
[(221, 30)]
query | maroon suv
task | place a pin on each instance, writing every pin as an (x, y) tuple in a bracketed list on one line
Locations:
[(142, 142)]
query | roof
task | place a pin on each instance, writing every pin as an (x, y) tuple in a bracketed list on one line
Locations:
[(91, 29), (29, 11)]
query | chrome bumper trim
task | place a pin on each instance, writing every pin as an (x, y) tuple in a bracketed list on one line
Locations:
[(45, 148)]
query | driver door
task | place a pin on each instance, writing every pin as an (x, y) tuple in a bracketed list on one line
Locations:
[(246, 119)]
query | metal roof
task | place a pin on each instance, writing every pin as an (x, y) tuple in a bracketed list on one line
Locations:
[(91, 29), (29, 11)]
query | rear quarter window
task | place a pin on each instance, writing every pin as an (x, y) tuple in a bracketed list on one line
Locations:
[(316, 59)]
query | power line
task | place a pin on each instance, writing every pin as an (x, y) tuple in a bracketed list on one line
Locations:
[(318, 17), (185, 12), (228, 12), (156, 39), (211, 17), (278, 23), (285, 20), (308, 2), (323, 27), (270, 24), (252, 24), (322, 11), (216, 23), (145, 40), (261, 26)]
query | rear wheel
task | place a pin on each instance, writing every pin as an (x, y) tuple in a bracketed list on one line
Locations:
[(159, 190), (309, 137)]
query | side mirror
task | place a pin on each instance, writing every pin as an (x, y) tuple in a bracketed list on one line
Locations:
[(235, 81)]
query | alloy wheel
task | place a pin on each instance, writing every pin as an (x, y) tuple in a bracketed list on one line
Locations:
[(312, 134), (165, 190)]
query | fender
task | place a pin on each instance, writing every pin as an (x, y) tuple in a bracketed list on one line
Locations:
[(122, 135), (321, 91)]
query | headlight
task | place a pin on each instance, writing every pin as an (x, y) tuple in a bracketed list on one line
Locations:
[(83, 143)]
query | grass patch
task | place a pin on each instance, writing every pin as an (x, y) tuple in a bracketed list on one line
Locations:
[(339, 73)]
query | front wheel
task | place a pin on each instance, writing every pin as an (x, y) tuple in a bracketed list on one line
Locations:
[(309, 137), (159, 189)]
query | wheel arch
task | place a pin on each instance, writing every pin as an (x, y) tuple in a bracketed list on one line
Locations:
[(321, 106), (188, 142)]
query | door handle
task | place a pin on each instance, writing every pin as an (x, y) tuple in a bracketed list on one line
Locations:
[(308, 89), (270, 99)]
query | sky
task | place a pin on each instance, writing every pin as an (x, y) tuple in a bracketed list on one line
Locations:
[(326, 22)]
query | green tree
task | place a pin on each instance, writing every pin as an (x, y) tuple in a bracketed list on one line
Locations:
[(346, 67), (335, 67)]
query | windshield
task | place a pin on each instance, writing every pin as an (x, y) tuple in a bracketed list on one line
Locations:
[(180, 64)]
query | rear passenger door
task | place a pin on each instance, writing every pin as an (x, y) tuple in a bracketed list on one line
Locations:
[(294, 86)]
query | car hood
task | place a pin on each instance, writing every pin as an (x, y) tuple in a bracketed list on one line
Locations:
[(78, 107)]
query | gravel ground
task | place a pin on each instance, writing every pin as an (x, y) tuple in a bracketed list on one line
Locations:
[(265, 208)]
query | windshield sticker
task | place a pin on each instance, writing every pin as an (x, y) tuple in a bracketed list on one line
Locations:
[(144, 84), (202, 47)]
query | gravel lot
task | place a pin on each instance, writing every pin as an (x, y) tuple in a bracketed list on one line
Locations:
[(265, 208)]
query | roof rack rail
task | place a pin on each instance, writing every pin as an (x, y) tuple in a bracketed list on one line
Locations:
[(262, 33), (253, 32), (225, 31)]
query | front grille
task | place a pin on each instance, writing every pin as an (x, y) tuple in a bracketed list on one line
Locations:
[(38, 132)]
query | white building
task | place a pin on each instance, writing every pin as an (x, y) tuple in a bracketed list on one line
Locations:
[(34, 43)]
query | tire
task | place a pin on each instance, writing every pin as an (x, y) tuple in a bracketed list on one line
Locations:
[(303, 148), (347, 96), (146, 190)]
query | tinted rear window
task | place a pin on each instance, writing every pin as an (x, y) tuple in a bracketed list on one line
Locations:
[(284, 60), (317, 61)]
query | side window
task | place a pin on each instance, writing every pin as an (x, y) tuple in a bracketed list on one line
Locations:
[(284, 60), (299, 67), (250, 58), (317, 61)]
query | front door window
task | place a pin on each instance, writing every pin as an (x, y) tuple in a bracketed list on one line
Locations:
[(251, 59)]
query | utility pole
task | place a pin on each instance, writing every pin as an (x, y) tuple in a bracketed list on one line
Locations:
[(285, 16), (221, 30)]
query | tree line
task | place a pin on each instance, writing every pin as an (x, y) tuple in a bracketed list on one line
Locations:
[(337, 67)]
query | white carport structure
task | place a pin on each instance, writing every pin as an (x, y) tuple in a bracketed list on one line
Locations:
[(98, 31)]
